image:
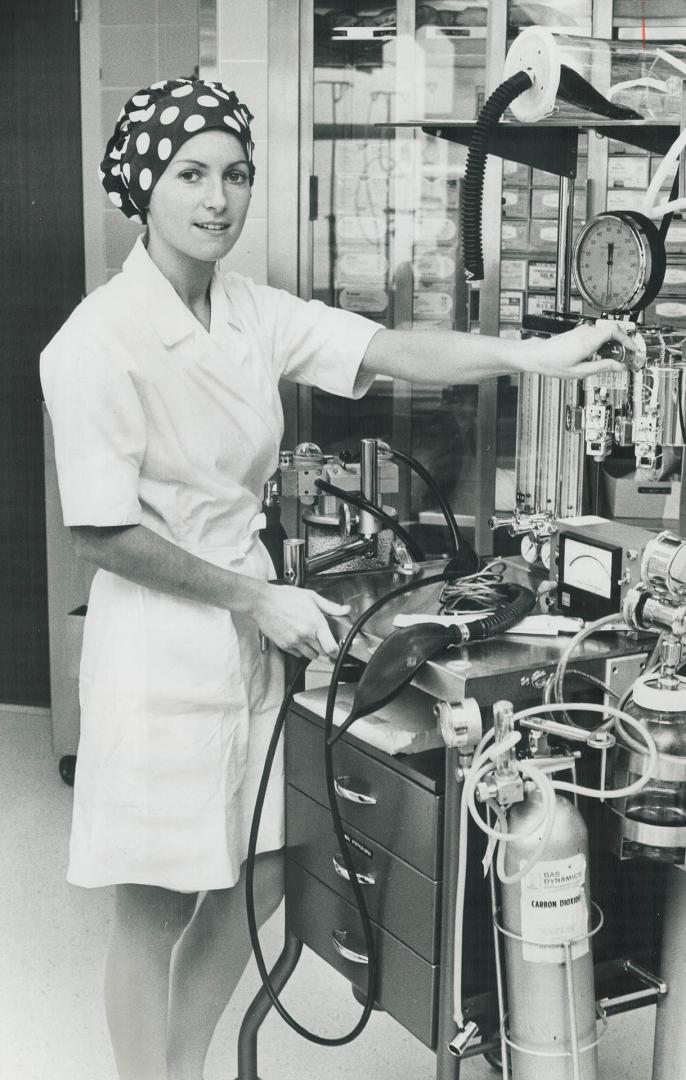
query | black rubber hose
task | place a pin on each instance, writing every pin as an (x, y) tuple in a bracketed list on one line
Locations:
[(375, 511), (253, 929), (461, 547), (473, 185), (680, 394)]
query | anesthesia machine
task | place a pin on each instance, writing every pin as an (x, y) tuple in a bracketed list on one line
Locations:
[(494, 849)]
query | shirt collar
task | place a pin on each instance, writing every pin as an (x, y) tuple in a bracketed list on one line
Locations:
[(164, 307)]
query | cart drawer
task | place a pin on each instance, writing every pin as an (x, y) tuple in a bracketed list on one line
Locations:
[(398, 897), (407, 985), (402, 816)]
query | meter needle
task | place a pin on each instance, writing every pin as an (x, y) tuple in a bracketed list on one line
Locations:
[(610, 262)]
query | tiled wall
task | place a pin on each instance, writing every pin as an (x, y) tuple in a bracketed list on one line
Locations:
[(242, 53), (138, 42)]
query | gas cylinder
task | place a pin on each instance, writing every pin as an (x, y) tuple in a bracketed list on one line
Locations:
[(549, 964), (652, 824)]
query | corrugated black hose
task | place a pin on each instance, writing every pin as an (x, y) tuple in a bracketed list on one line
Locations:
[(473, 186)]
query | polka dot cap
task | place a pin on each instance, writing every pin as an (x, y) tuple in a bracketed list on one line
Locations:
[(152, 126)]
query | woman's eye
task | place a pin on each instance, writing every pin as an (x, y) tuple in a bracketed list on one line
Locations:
[(238, 176), (189, 174)]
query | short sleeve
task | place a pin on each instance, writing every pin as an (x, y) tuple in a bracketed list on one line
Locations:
[(99, 431), (322, 346)]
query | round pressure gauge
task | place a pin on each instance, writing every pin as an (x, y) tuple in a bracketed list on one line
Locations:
[(619, 262)]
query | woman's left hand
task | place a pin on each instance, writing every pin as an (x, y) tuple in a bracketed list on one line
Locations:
[(569, 355)]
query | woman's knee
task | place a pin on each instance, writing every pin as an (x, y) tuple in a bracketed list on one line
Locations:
[(150, 911)]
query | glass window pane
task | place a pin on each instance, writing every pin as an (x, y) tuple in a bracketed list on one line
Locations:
[(386, 238)]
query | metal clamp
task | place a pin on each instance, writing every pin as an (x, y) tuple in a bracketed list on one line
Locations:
[(342, 786), (654, 988), (338, 939), (362, 878), (463, 1038)]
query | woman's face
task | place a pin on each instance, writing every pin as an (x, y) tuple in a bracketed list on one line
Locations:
[(199, 204)]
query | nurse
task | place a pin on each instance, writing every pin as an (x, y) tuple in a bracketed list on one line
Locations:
[(162, 387)]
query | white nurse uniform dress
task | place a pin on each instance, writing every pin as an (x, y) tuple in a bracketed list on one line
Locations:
[(158, 422)]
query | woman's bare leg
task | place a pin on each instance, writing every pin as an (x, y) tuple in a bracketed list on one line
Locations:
[(148, 922), (209, 962)]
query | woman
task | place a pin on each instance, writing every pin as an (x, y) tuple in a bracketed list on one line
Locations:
[(162, 388)]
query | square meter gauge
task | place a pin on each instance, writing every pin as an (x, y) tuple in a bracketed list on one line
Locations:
[(594, 562)]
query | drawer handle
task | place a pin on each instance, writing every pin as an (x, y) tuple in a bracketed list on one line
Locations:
[(341, 785), (363, 879), (339, 938)]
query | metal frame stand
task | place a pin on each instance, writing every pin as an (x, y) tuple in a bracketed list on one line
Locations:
[(260, 1006), (447, 1065), (573, 1055)]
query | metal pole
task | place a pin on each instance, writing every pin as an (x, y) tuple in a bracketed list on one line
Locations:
[(571, 1001), (669, 1059), (565, 226), (260, 1006), (499, 974), (448, 1066), (294, 562), (369, 486)]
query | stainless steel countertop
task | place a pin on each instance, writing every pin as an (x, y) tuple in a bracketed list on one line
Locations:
[(488, 669)]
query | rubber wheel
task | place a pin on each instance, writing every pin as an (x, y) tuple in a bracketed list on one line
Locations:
[(494, 1059), (67, 768)]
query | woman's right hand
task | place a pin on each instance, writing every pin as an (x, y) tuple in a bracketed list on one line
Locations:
[(295, 620)]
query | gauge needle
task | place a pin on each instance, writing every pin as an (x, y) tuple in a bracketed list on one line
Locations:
[(610, 261)]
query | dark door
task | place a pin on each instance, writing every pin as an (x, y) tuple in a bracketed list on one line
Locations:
[(41, 281)]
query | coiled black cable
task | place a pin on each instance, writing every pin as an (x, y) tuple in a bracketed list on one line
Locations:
[(473, 184)]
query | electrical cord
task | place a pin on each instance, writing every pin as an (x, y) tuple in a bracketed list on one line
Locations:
[(474, 591), (375, 511)]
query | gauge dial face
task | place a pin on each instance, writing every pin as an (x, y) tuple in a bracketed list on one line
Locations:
[(612, 262)]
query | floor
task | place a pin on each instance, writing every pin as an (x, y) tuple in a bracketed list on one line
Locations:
[(52, 945)]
